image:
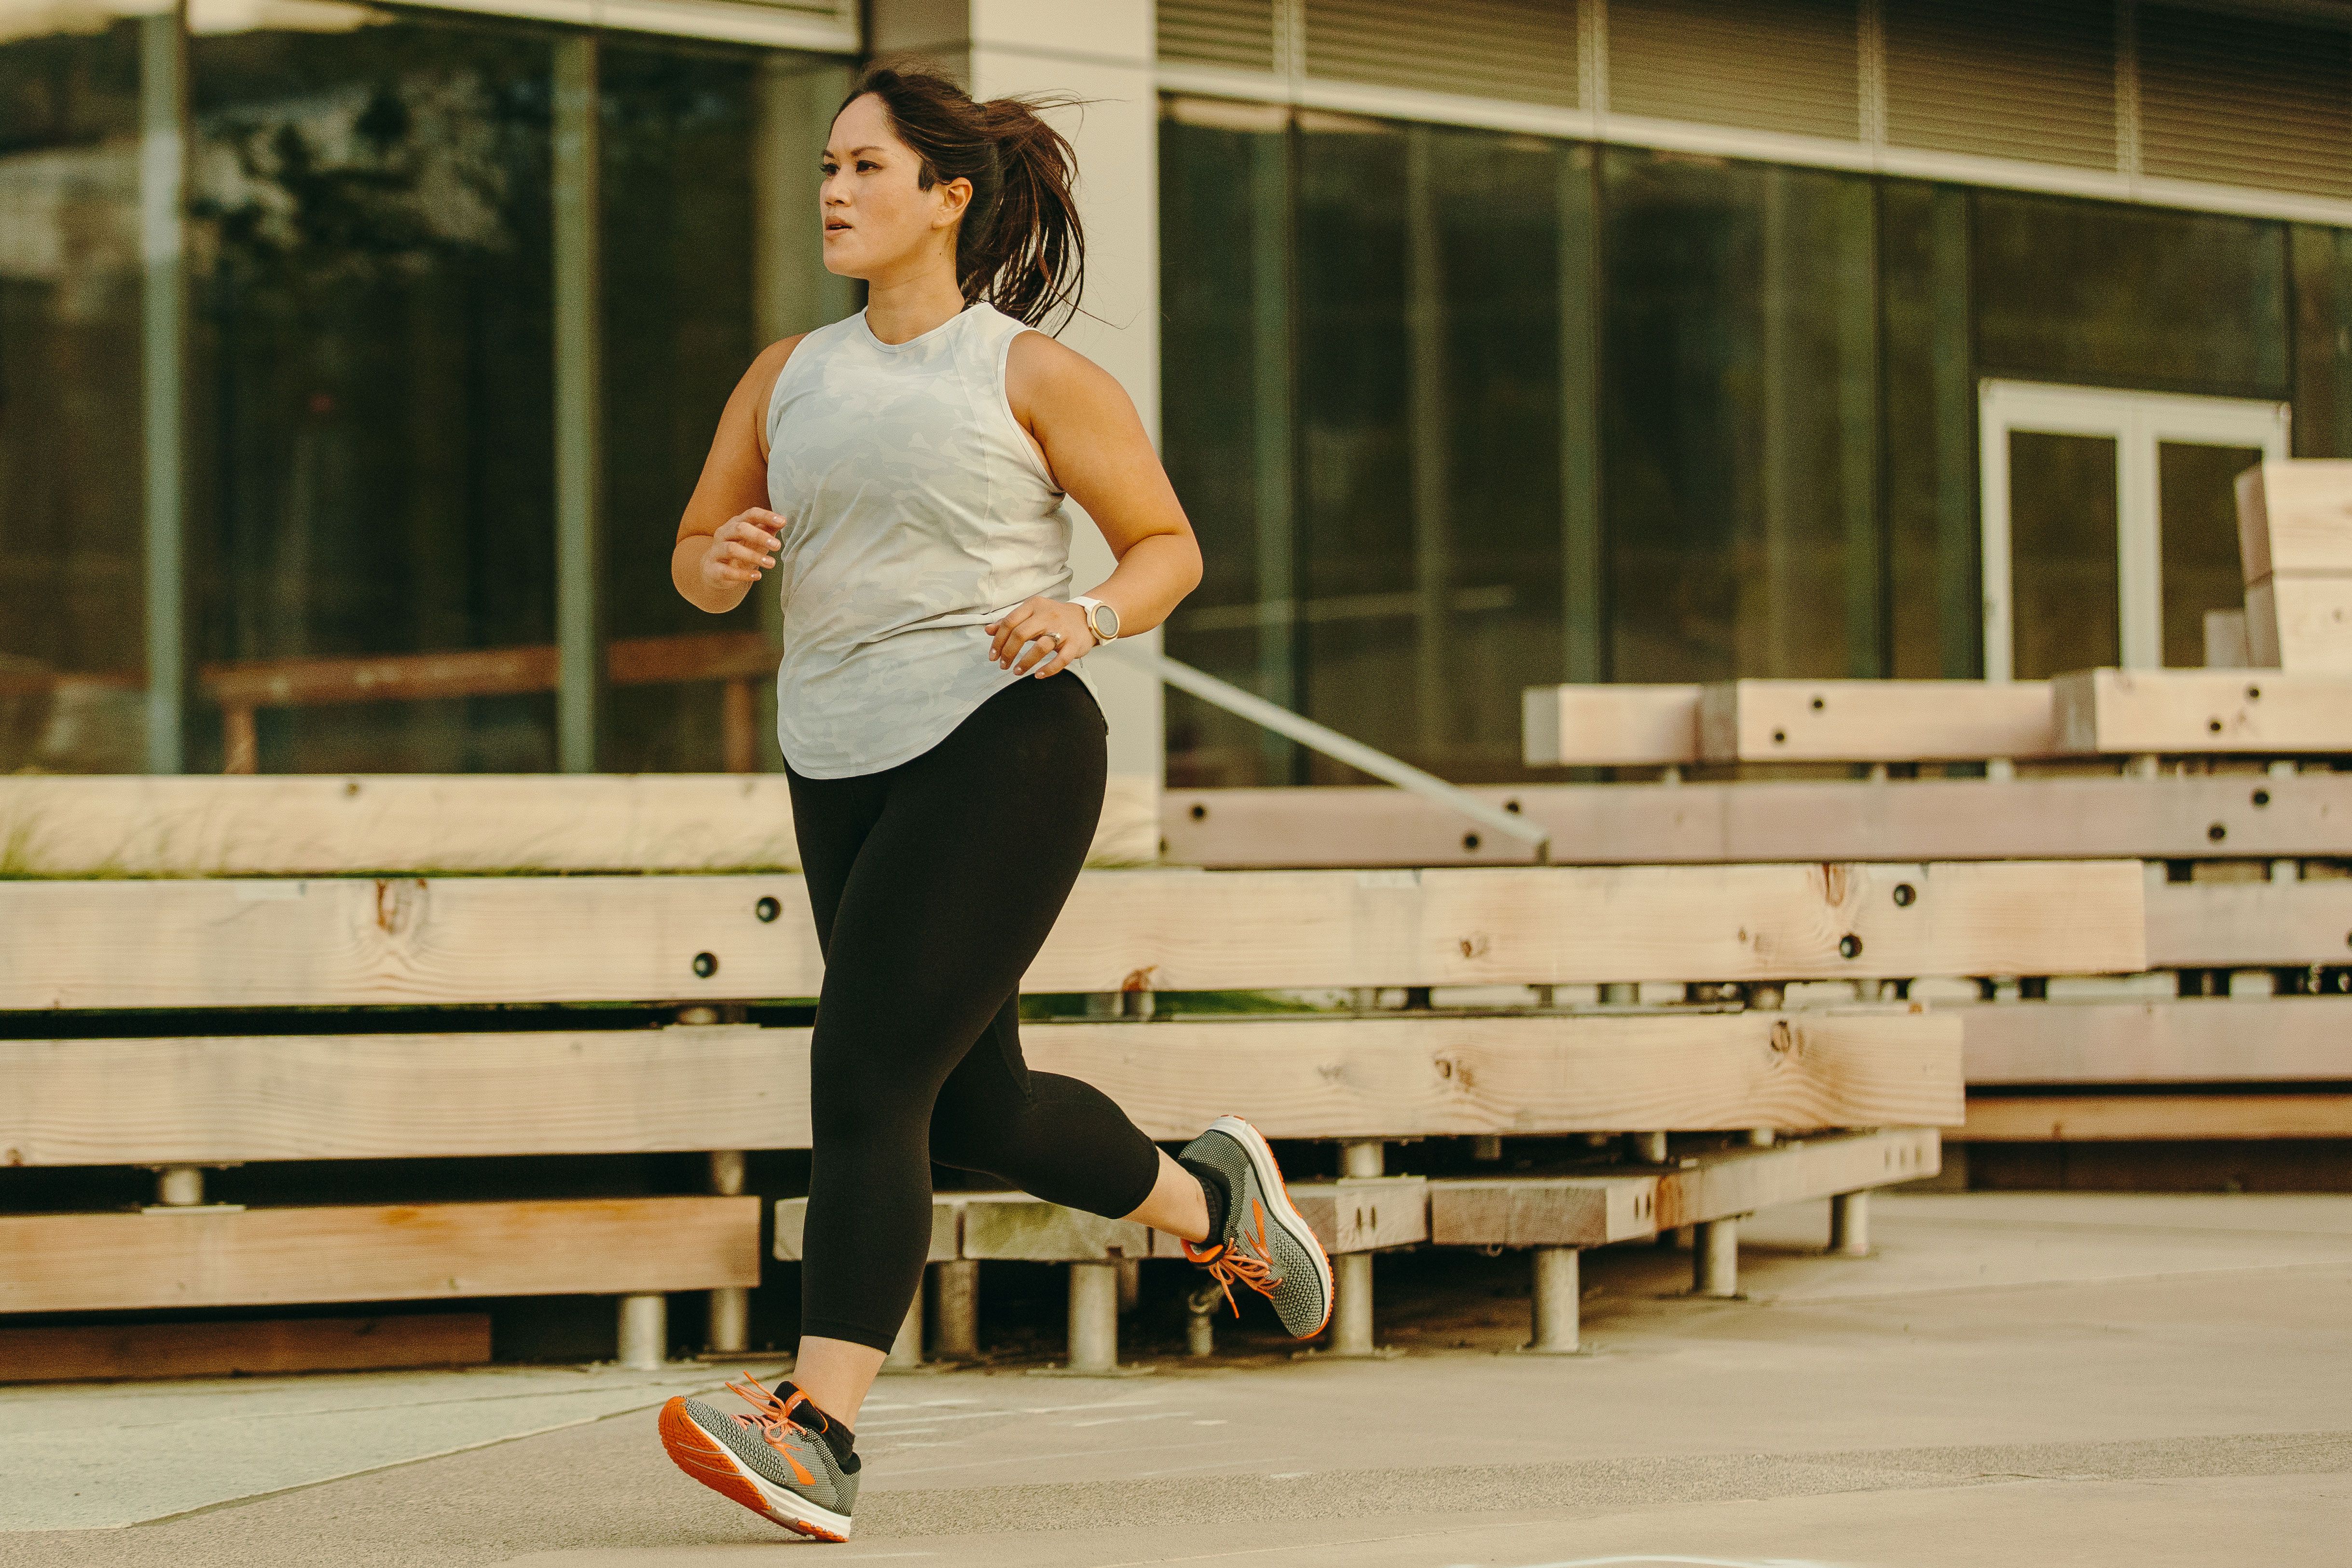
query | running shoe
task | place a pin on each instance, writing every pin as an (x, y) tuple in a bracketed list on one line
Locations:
[(1265, 1245), (770, 1461)]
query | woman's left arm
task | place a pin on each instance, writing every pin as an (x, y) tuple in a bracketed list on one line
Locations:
[(1096, 451)]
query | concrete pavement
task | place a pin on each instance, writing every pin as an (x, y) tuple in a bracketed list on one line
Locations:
[(2060, 1379)]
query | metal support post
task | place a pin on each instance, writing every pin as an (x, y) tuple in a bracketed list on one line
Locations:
[(1486, 1146), (1766, 996), (1715, 1258), (580, 607), (1761, 1137), (645, 1332), (955, 1310), (179, 1186), (907, 1350), (1351, 1314), (1361, 1157), (1130, 1284), (1557, 1294), (1646, 1148), (1200, 1320), (1850, 1224), (1621, 994)]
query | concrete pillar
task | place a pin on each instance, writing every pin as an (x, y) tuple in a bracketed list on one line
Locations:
[(955, 1310), (1094, 1317), (729, 1329), (907, 1350), (1557, 1294), (1850, 1224), (645, 1332), (1714, 1258), (1101, 52)]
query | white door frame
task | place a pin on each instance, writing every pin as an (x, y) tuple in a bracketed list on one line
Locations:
[(2137, 422)]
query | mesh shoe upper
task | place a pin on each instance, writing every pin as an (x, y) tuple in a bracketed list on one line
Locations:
[(1260, 1229), (797, 1458)]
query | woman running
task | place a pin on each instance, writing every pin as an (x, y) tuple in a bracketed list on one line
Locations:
[(903, 472)]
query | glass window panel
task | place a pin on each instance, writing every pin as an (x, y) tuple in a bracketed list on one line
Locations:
[(2323, 341), (678, 256), (1740, 441), (2065, 595), (1225, 412), (373, 389), (2105, 294), (71, 499), (2197, 513), (1936, 623)]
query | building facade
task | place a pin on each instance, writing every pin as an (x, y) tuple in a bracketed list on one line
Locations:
[(1493, 344)]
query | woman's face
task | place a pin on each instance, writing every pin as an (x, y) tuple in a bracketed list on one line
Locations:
[(877, 218)]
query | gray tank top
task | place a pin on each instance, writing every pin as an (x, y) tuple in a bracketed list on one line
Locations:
[(915, 511)]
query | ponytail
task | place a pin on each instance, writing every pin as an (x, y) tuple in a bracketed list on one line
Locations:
[(1020, 246)]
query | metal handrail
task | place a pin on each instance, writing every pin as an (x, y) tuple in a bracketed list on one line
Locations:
[(1354, 753)]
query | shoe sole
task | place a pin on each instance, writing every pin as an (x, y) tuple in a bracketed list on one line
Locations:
[(1269, 1181), (712, 1463)]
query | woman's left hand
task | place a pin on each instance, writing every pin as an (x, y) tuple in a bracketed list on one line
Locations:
[(1039, 637)]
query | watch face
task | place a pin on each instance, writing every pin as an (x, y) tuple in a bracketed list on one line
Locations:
[(1106, 618)]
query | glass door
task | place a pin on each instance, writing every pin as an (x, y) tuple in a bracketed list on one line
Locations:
[(2110, 522)]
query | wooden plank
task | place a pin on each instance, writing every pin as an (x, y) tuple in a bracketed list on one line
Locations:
[(481, 672), (96, 1352), (1609, 725), (1016, 1226), (2246, 1040), (332, 825), (202, 1101), (2193, 711), (350, 942), (2062, 1119), (1542, 1211), (1321, 1077), (1874, 720), (1742, 1181), (947, 1227), (2300, 625), (2249, 925), (104, 1262), (2295, 516), (2168, 817)]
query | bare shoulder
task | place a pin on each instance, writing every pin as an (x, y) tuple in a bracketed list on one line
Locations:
[(759, 383), (1043, 376)]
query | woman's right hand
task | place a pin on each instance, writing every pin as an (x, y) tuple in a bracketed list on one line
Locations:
[(742, 547)]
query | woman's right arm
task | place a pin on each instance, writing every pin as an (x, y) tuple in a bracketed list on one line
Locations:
[(728, 536)]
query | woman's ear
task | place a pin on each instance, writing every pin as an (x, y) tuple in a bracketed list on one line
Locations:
[(955, 195)]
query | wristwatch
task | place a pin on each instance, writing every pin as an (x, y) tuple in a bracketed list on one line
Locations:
[(1102, 620)]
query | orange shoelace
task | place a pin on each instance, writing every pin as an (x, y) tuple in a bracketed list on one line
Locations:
[(1230, 1263), (772, 1417)]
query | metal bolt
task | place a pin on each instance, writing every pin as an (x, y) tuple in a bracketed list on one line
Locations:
[(1849, 946), (767, 910), (1904, 893), (705, 964), (2261, 797), (2217, 833)]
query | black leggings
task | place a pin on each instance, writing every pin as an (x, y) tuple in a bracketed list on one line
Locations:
[(934, 884)]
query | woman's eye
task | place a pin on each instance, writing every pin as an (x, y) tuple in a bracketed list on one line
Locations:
[(867, 166)]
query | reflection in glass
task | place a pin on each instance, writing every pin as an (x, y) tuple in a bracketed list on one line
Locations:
[(1740, 419), (374, 384), (2065, 598), (1935, 611), (71, 477), (2196, 509), (2107, 295)]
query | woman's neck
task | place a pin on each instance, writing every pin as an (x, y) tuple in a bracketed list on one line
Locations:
[(899, 310)]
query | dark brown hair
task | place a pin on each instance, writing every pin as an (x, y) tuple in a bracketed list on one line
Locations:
[(1020, 246)]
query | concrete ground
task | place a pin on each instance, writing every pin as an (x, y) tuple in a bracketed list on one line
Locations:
[(2042, 1380)]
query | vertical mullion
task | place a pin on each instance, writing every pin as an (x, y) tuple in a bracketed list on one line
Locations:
[(1867, 653), (2127, 151), (163, 328), (1580, 469), (579, 398), (1273, 466), (1959, 599), (1425, 434)]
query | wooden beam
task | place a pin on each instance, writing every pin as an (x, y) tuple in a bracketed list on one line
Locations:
[(481, 672), (354, 942), (1874, 720), (105, 1352), (2198, 711), (324, 1097), (2295, 517), (2249, 925), (2157, 1118), (105, 1262), (1313, 1078), (2166, 817), (947, 1228), (1609, 725), (335, 825), (2301, 624), (1542, 1211), (1740, 1182), (2246, 1040)]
